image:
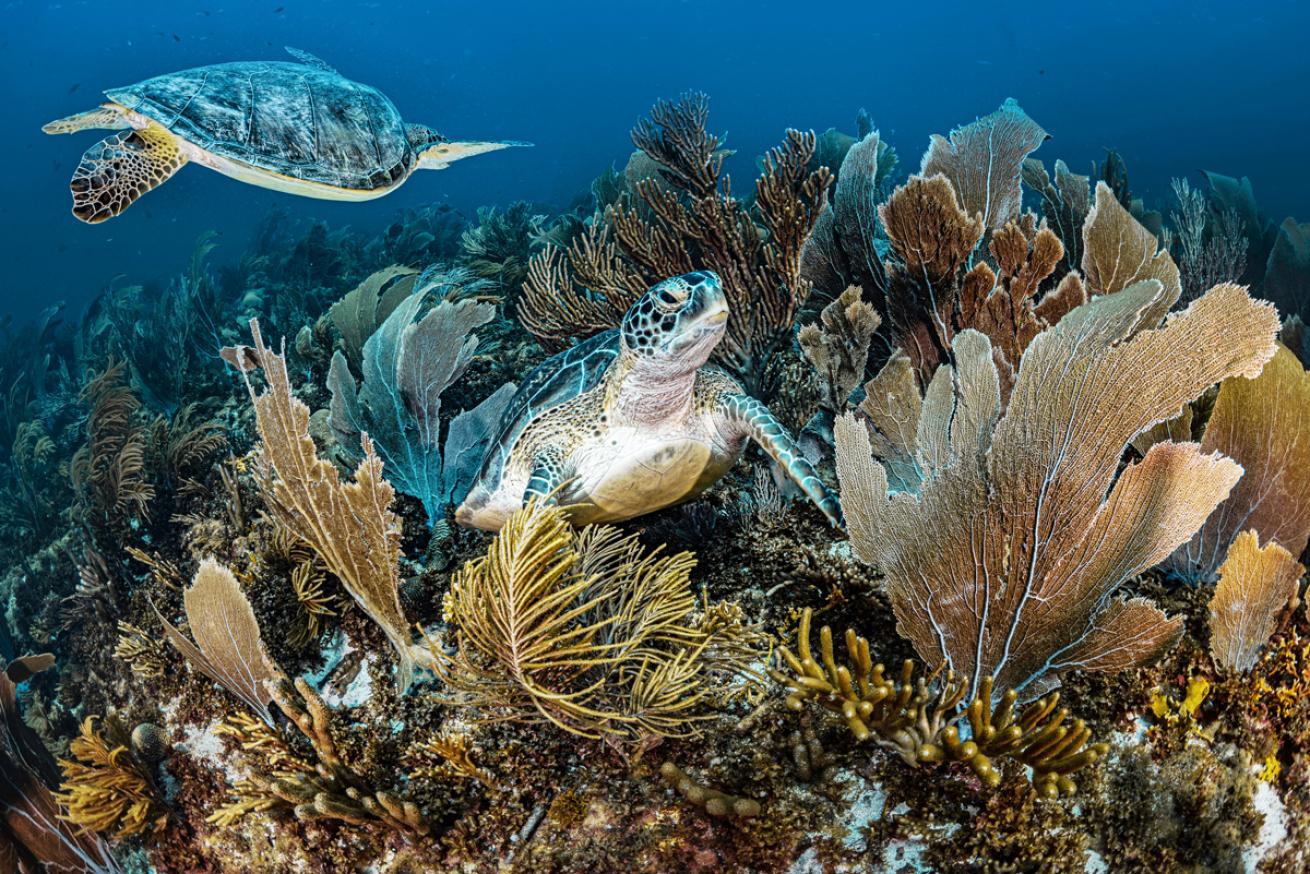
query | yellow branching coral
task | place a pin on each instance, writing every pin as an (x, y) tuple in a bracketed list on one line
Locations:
[(1264, 425), (145, 654), (350, 525), (1006, 561), (104, 788), (1256, 586), (456, 757), (585, 630), (920, 719)]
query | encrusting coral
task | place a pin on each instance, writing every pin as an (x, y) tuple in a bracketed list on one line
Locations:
[(1005, 562)]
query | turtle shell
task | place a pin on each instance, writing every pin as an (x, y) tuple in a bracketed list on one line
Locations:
[(558, 379), (292, 119)]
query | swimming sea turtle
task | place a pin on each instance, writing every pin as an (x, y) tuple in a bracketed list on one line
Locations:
[(631, 420), (302, 128)]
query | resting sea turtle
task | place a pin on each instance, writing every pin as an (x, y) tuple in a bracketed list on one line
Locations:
[(302, 128), (631, 420)]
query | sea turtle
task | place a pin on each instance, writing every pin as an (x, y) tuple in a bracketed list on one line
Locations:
[(632, 419), (302, 128)]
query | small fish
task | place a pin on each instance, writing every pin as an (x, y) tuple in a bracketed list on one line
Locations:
[(76, 85), (279, 9), (176, 38), (1041, 72)]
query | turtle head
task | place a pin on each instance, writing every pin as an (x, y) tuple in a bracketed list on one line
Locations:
[(422, 137), (677, 323)]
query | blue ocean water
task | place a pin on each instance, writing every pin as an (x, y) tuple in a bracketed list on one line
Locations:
[(1175, 87)]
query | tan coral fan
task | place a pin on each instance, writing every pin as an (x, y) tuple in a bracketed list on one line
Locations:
[(227, 648), (984, 160), (1256, 585), (1005, 563), (1264, 425), (350, 525), (1118, 251)]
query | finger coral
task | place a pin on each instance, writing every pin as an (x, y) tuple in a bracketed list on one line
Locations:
[(1006, 562), (919, 718), (1256, 585), (322, 787), (350, 525), (1264, 425), (714, 802), (586, 631)]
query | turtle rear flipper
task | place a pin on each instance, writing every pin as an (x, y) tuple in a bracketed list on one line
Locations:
[(119, 169), (442, 155), (100, 118)]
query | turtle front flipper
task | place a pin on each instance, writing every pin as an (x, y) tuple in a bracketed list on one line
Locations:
[(546, 478), (765, 429), (100, 118), (117, 170)]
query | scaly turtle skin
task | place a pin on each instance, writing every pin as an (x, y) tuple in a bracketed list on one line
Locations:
[(633, 420), (302, 128)]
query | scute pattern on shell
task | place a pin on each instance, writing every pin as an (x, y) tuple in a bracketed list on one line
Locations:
[(555, 381), (292, 119)]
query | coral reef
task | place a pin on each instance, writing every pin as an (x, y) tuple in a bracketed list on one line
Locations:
[(1070, 453)]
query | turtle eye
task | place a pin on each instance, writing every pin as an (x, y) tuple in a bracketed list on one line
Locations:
[(671, 297)]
